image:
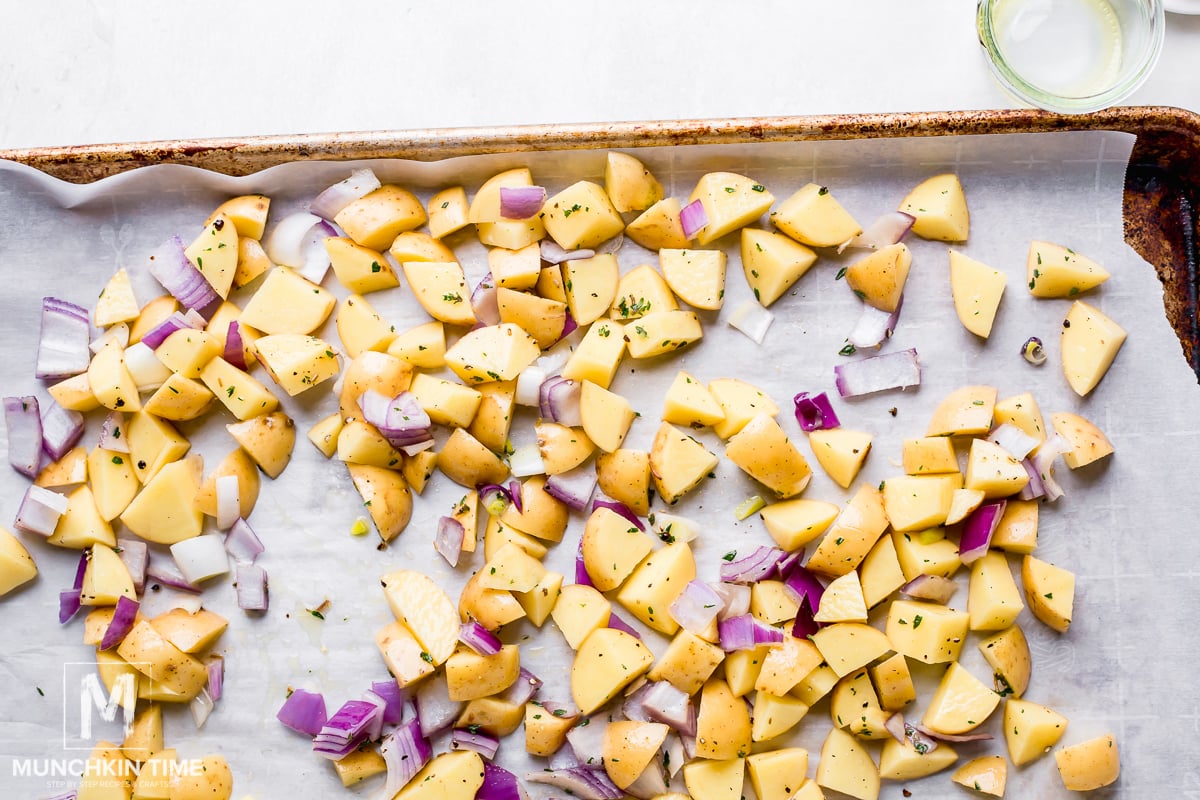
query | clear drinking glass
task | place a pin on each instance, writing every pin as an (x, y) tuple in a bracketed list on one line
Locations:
[(1071, 56)]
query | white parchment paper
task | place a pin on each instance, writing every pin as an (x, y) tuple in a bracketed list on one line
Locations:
[(1126, 527)]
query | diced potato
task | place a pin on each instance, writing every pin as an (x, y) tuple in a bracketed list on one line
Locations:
[(541, 515), (940, 209), (929, 455), (145, 737), (854, 706), (16, 565), (628, 748), (852, 535), (598, 355), (361, 764), (68, 472), (492, 353), (513, 269), (546, 732), (1007, 653), (470, 675), (641, 291), (542, 319), (112, 480), (772, 263), (629, 185), (164, 511), (611, 548), (715, 780), (268, 440), (926, 552), (917, 502), (441, 289), (448, 212), (846, 766), (497, 534), (150, 653), (1090, 342), (606, 416), (580, 610), (880, 572), (696, 276), (624, 475), (742, 668), (991, 469), (960, 704), (581, 216), (1056, 271), (253, 261), (690, 404), (387, 497), (606, 662), (512, 569), (795, 523), (777, 774), (1088, 443), (1018, 527), (384, 373), (786, 664), (655, 583), (247, 212), (297, 362), (287, 302), (773, 602), (678, 463), (662, 332), (903, 762), (893, 681), (722, 723), (730, 201), (511, 234), (239, 391), (491, 608), (1089, 765), (962, 503), (562, 448), (1021, 410), (928, 632), (977, 289), (105, 774), (878, 278), (843, 601), (539, 601), (765, 453), (740, 402), (423, 346), (813, 217), (774, 716), (485, 206), (659, 226), (360, 269), (1030, 730), (153, 443), (375, 219), (456, 775), (1050, 592), (82, 525), (417, 246), (425, 609), (361, 328), (215, 252), (687, 663), (994, 600), (117, 302), (840, 452), (846, 646), (109, 380), (179, 399), (446, 402), (986, 774), (361, 443), (964, 412), (819, 683), (190, 631)]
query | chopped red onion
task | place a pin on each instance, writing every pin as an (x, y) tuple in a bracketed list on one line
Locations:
[(405, 751), (479, 639), (619, 624), (693, 217), (1015, 441), (529, 385), (118, 333), (526, 460), (930, 587), (40, 510), (874, 326), (522, 689), (394, 697), (113, 433), (789, 562), (569, 327), (448, 541), (494, 498), (251, 587), (805, 625), (483, 743), (620, 508), (587, 740), (201, 557), (585, 782), (242, 544), (805, 585), (235, 347), (745, 633), (24, 424), (559, 401), (171, 267), (575, 487), (144, 367), (673, 755), (735, 597), (485, 302), (552, 253), (135, 554), (329, 203), (948, 737), (651, 783), (229, 501), (216, 676), (662, 702), (1043, 462), (435, 710), (401, 419), (63, 343), (581, 574), (754, 567), (161, 572), (375, 729), (878, 373), (498, 783), (303, 712), (347, 729), (61, 429), (201, 707), (752, 319), (122, 622), (696, 607), (815, 412), (515, 493), (68, 605), (176, 322), (298, 241), (914, 734), (895, 726), (521, 202), (978, 529), (886, 230)]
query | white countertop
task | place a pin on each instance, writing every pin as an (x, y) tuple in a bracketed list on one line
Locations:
[(92, 72)]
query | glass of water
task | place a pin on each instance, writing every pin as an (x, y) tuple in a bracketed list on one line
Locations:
[(1071, 56)]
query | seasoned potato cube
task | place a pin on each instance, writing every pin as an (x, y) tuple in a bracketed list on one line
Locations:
[(659, 226), (492, 353), (515, 269), (722, 723), (903, 762), (655, 583), (687, 663), (961, 703), (1050, 592), (441, 289), (287, 302), (238, 390), (448, 212), (360, 327), (662, 332), (696, 276), (611, 548), (598, 355), (852, 534), (1030, 730), (581, 216), (422, 346), (986, 774), (928, 632), (964, 412), (994, 601), (624, 475), (785, 665), (642, 291), (215, 252), (164, 511), (706, 779), (878, 278), (16, 565), (840, 452), (730, 201), (360, 269), (813, 217), (940, 209), (1056, 271), (470, 675), (678, 463), (541, 318), (1090, 342), (268, 440), (1007, 652), (846, 766), (739, 402), (629, 185), (375, 219), (297, 362), (977, 289), (606, 662), (117, 302), (1089, 765), (991, 469), (772, 263), (854, 706), (591, 286), (1088, 443), (846, 646)]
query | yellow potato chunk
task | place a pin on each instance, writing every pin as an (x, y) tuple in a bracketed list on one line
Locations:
[(1088, 443), (629, 184), (722, 723), (678, 463), (659, 226), (994, 601), (852, 534), (1007, 653), (581, 216), (977, 289), (940, 208), (840, 452), (846, 766), (655, 583), (964, 412), (878, 278), (16, 565), (1050, 592), (425, 609), (640, 291), (795, 523), (441, 289), (696, 276), (1089, 765), (607, 661), (846, 646), (598, 355), (1056, 271), (961, 703), (448, 212), (360, 269), (1090, 342), (287, 302), (117, 302), (1030, 730), (297, 362), (813, 217), (928, 632), (902, 762), (730, 201), (765, 453), (992, 470), (772, 263), (215, 253), (375, 219)]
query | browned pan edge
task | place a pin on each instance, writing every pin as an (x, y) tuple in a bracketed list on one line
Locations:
[(1161, 184)]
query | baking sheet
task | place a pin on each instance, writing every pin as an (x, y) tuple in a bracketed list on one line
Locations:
[(1124, 526)]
